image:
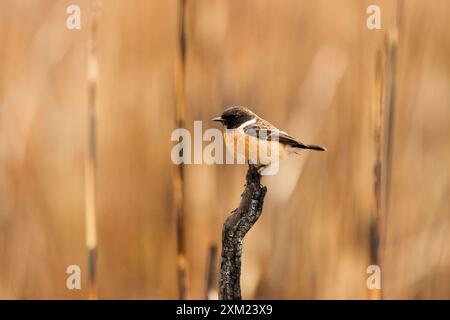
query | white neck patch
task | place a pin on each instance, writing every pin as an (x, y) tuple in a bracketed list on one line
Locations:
[(247, 123)]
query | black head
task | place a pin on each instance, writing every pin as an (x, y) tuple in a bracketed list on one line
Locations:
[(235, 116)]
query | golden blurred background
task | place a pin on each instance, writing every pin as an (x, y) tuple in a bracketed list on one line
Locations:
[(307, 66)]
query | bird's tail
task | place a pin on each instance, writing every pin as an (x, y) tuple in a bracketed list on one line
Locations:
[(310, 147)]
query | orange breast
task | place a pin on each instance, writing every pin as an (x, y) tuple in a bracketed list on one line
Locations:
[(252, 148)]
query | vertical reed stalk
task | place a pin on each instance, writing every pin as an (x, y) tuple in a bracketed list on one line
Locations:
[(391, 90), (210, 290), (378, 116), (178, 177), (383, 125), (90, 156)]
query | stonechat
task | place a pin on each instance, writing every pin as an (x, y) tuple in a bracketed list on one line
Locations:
[(255, 140)]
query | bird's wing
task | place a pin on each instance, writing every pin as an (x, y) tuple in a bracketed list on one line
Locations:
[(265, 131)]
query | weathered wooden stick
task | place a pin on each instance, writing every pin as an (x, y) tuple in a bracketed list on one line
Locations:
[(234, 230)]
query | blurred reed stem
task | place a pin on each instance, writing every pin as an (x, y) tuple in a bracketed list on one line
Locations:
[(383, 125), (210, 289), (91, 156), (377, 126), (178, 176)]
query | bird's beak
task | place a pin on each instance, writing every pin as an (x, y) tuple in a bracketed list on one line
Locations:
[(218, 119)]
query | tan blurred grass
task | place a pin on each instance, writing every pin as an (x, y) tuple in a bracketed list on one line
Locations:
[(307, 66)]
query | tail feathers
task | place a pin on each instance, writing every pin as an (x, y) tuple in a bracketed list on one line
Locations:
[(311, 147)]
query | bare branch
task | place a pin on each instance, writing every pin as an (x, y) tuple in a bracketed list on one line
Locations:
[(234, 230)]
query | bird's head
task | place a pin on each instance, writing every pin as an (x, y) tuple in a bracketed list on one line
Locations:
[(234, 117)]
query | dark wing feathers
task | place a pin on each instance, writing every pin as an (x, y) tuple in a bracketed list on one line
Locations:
[(272, 134), (265, 131), (283, 137)]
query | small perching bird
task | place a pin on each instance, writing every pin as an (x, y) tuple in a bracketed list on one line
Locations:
[(255, 140)]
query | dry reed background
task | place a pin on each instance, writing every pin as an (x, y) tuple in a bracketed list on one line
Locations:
[(309, 66)]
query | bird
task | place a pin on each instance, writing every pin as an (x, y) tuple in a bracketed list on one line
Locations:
[(251, 138)]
